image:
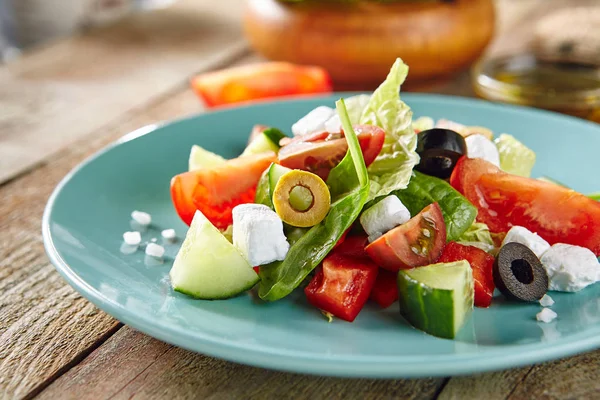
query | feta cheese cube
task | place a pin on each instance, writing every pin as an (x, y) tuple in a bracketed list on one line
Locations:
[(168, 234), (524, 236), (478, 146), (132, 238), (313, 121), (155, 250), (546, 315), (258, 234), (546, 301), (383, 216), (570, 268), (141, 217), (334, 124)]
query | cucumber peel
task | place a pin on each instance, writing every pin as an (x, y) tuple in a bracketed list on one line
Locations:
[(437, 299)]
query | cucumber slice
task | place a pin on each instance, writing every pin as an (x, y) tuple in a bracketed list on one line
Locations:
[(208, 266), (267, 183), (268, 140), (437, 299), (201, 158)]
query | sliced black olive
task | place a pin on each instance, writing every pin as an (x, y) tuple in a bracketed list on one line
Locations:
[(439, 150), (519, 274)]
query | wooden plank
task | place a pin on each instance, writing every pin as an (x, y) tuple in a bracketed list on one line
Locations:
[(55, 95), (132, 365), (44, 325), (488, 386), (572, 378)]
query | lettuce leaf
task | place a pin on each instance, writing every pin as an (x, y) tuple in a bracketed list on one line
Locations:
[(515, 157), (392, 169), (478, 235)]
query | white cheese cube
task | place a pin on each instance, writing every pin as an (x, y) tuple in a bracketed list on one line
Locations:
[(313, 121), (334, 124), (141, 217), (132, 238), (519, 234), (169, 234), (570, 268), (546, 301), (546, 315), (478, 146), (258, 234), (155, 250), (383, 216)]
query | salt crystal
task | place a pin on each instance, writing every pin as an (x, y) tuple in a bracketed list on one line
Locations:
[(132, 238), (155, 250), (141, 217)]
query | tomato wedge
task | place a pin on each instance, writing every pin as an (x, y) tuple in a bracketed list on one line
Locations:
[(416, 243), (557, 214), (216, 191), (319, 152), (259, 81), (353, 246), (482, 265), (341, 286)]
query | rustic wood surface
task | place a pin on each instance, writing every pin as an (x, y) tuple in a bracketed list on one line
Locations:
[(53, 343)]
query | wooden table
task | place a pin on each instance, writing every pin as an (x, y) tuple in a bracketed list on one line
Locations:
[(62, 102)]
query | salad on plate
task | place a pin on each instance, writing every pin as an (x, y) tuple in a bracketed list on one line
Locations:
[(361, 202)]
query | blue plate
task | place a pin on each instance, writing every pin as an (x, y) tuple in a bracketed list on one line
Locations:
[(89, 211)]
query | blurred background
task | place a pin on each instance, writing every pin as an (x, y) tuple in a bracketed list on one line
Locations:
[(68, 67)]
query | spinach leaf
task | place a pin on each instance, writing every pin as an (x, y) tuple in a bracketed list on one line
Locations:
[(349, 186), (423, 190)]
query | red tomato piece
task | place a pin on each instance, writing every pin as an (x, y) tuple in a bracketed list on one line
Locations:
[(482, 265), (353, 246), (556, 213), (319, 152), (385, 290), (260, 81), (416, 243), (341, 286), (342, 239), (216, 191)]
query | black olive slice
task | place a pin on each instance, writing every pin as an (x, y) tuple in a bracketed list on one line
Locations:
[(519, 274), (439, 150)]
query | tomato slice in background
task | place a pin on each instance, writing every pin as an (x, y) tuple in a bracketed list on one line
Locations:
[(341, 286), (482, 265), (216, 191), (416, 243), (259, 81), (319, 152), (385, 289), (556, 213)]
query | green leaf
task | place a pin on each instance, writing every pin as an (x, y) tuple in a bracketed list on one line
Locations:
[(424, 190), (478, 235), (350, 189), (392, 168), (594, 196), (515, 157)]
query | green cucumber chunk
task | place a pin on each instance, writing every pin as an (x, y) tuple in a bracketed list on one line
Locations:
[(201, 158), (437, 299), (268, 140), (266, 184), (208, 266)]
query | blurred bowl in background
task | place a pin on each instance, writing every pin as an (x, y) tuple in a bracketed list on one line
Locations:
[(358, 42)]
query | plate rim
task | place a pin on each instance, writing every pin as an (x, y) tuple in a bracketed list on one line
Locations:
[(414, 366)]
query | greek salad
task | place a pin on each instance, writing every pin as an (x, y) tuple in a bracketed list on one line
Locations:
[(361, 202)]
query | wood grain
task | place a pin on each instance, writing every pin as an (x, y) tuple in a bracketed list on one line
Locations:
[(53, 96), (44, 325), (141, 367)]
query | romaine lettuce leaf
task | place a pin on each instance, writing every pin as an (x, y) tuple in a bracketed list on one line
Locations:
[(478, 235), (515, 157)]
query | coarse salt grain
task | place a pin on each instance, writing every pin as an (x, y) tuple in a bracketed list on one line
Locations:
[(155, 250), (132, 238), (141, 217), (546, 301), (168, 234), (546, 315)]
